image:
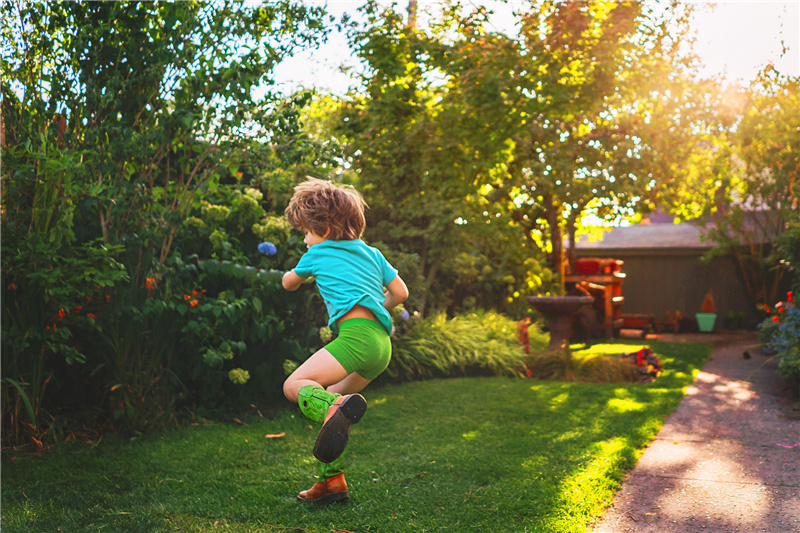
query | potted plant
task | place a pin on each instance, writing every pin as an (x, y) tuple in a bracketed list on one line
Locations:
[(707, 315)]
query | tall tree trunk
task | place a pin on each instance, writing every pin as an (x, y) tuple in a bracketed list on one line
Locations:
[(556, 237), (412, 14), (571, 250)]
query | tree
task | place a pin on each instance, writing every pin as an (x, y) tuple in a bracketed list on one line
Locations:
[(584, 110), (410, 154), (580, 95), (758, 198)]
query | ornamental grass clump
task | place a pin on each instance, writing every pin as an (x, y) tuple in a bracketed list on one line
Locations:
[(581, 366), (481, 343)]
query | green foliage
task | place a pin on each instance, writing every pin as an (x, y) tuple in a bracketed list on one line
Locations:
[(753, 206), (480, 151), (780, 335), (427, 456), (421, 157), (482, 343), (50, 295), (244, 319), (787, 252), (122, 122)]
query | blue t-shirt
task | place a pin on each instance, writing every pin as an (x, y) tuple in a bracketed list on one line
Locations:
[(349, 273)]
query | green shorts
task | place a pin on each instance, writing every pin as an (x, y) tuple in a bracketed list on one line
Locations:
[(363, 346)]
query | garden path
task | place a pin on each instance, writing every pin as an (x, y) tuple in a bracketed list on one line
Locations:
[(717, 465)]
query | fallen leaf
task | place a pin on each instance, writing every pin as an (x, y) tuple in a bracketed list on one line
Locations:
[(275, 435), (239, 422)]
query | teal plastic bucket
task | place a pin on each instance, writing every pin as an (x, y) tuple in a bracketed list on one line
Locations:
[(705, 321)]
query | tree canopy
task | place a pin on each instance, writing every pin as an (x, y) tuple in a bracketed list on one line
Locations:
[(461, 127)]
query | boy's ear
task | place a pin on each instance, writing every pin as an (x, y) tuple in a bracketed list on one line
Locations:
[(327, 232)]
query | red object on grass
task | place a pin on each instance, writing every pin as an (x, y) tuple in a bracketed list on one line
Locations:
[(522, 334)]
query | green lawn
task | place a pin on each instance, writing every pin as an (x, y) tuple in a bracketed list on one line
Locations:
[(468, 454)]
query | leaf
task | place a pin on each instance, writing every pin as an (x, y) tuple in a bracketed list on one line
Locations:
[(275, 435), (25, 400)]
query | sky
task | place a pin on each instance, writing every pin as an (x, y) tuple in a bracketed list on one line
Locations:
[(735, 40)]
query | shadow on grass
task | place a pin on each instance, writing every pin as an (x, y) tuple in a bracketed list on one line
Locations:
[(468, 454)]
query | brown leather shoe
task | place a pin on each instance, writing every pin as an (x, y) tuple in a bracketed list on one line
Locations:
[(332, 438), (328, 491)]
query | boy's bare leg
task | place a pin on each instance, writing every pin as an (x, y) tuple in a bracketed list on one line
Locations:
[(338, 413), (350, 385), (321, 369)]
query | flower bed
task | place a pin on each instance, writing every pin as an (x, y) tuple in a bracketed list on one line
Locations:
[(780, 336)]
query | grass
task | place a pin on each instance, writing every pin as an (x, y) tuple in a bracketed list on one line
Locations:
[(465, 454)]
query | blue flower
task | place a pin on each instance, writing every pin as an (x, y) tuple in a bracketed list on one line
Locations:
[(404, 315), (267, 248)]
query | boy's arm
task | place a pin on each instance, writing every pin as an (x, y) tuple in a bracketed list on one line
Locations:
[(396, 293), (291, 281)]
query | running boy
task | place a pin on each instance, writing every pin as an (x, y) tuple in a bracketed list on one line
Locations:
[(351, 277)]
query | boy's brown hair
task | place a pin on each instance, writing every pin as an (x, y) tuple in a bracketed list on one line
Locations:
[(320, 205)]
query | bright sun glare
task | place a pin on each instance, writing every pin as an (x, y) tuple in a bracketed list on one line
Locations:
[(735, 40)]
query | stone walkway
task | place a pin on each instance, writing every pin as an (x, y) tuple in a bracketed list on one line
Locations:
[(717, 464)]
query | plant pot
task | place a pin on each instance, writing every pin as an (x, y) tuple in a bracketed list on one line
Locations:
[(705, 321)]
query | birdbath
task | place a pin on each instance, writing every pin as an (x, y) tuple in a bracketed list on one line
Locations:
[(558, 311)]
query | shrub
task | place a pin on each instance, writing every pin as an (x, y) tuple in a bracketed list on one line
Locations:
[(112, 168), (780, 335), (563, 365), (580, 366), (481, 343)]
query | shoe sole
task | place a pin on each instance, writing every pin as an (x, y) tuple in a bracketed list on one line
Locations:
[(328, 498), (332, 438)]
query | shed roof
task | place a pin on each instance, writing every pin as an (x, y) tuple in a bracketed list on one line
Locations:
[(648, 236), (659, 232)]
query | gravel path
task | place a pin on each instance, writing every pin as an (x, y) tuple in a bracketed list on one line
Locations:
[(717, 464)]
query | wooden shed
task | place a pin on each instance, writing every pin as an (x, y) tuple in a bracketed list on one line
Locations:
[(664, 271)]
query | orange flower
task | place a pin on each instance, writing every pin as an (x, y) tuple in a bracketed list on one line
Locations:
[(775, 318), (77, 308), (193, 303), (150, 283), (13, 286), (61, 314), (194, 293), (186, 297), (92, 316)]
